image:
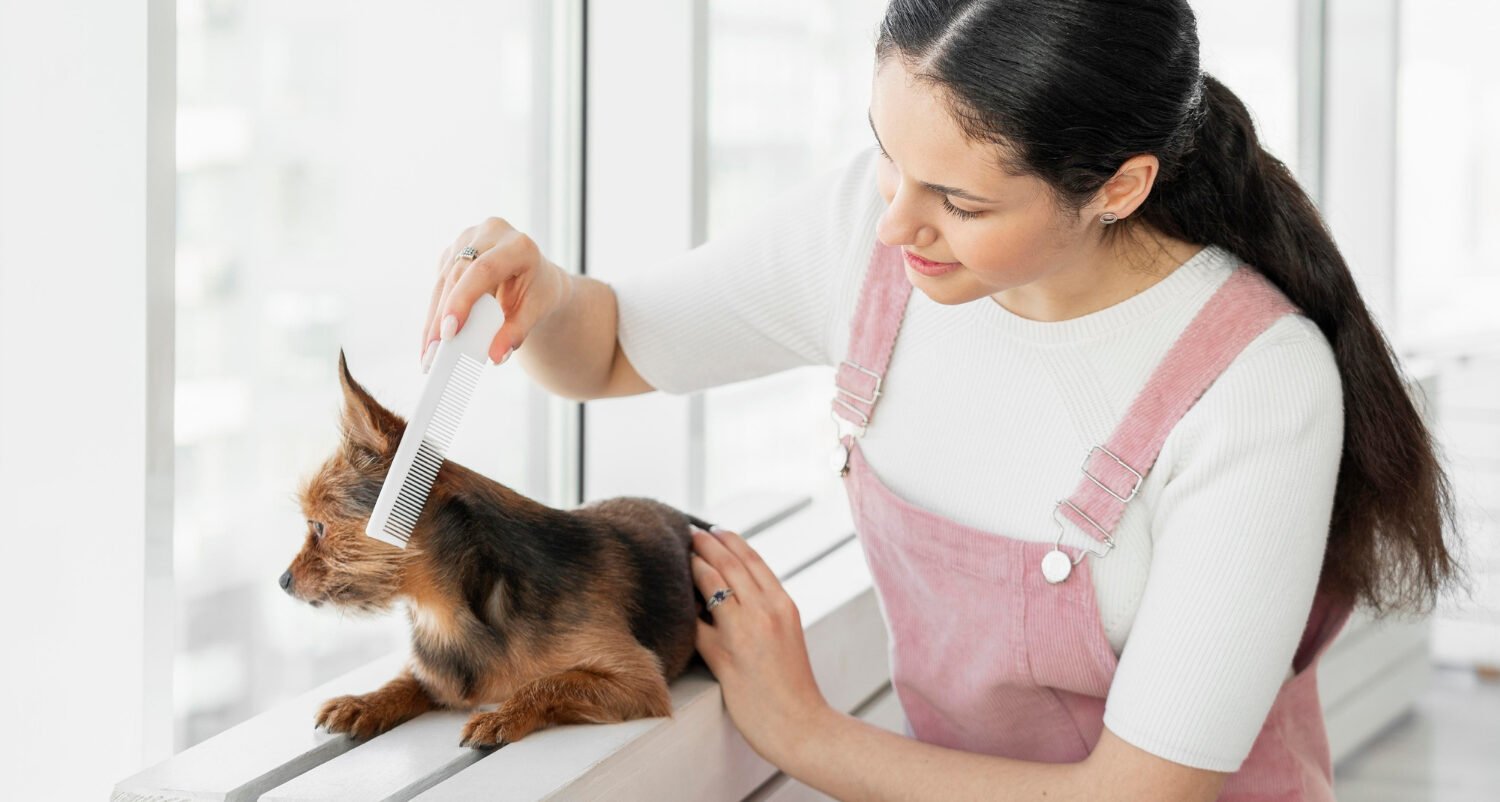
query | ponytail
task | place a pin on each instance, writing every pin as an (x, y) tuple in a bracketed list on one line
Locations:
[(1393, 502)]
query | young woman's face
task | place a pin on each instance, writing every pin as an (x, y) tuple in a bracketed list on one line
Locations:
[(948, 202)]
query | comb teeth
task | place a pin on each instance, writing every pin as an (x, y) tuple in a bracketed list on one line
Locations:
[(450, 409), (429, 457), (454, 374)]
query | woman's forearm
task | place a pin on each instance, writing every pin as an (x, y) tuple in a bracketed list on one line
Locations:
[(571, 352), (850, 759)]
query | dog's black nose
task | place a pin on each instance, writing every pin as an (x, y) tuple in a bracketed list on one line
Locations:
[(286, 581)]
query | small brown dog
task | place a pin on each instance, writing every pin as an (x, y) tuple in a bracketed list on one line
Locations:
[(557, 616)]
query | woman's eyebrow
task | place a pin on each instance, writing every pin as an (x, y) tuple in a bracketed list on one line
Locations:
[(941, 189)]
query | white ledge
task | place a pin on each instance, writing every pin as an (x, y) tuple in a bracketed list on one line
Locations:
[(697, 753), (244, 761)]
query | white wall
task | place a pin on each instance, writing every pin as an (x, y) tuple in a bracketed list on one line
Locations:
[(84, 459)]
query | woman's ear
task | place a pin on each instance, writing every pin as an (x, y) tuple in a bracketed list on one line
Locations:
[(1129, 186), (365, 422)]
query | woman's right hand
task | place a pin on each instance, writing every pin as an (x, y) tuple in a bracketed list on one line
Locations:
[(510, 267)]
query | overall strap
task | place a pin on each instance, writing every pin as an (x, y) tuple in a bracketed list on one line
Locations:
[(872, 337), (1243, 307)]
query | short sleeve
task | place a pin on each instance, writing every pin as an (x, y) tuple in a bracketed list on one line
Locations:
[(762, 297), (1238, 538)]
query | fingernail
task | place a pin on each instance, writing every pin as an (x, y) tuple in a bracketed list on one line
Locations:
[(427, 357), (450, 326), (718, 530), (505, 356)]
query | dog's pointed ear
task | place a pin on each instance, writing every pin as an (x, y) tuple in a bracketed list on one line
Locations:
[(365, 422)]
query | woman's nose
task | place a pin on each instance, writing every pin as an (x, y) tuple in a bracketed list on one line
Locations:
[(897, 226)]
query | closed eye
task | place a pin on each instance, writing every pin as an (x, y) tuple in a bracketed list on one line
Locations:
[(962, 214)]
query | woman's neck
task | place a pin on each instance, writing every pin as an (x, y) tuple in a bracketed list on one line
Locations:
[(1098, 283)]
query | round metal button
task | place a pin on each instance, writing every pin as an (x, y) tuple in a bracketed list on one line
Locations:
[(1056, 566)]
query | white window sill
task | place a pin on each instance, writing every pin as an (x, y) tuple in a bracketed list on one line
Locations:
[(696, 754)]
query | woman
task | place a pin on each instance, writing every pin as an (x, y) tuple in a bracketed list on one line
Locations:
[(1111, 271)]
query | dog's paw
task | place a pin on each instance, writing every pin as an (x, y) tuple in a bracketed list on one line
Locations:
[(493, 729), (360, 716)]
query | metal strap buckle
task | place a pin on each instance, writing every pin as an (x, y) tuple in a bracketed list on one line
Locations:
[(873, 395), (1104, 487), (1109, 540), (845, 426), (856, 429)]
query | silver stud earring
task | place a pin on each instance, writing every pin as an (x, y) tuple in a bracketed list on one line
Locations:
[(1108, 217)]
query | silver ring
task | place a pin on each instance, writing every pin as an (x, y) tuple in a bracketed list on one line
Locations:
[(468, 253), (719, 596)]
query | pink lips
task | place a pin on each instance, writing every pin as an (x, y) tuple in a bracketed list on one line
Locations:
[(927, 267)]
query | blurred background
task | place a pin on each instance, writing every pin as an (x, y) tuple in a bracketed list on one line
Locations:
[(203, 201)]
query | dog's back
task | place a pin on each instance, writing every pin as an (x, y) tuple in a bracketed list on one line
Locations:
[(662, 600)]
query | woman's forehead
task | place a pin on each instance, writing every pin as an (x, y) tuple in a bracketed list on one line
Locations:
[(915, 126)]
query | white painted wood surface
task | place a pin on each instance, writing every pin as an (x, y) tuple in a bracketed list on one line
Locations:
[(395, 765), (279, 756), (1386, 698), (245, 761), (1371, 675), (817, 528), (1363, 651)]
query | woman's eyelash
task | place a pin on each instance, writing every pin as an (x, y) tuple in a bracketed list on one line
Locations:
[(961, 214)]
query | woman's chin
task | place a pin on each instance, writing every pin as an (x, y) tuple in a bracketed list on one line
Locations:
[(949, 289)]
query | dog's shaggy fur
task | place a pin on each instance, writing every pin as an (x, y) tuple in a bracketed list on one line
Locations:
[(557, 616)]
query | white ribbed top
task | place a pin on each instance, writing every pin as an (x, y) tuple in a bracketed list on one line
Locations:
[(985, 417)]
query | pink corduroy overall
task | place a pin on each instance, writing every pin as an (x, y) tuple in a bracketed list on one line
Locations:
[(1031, 681)]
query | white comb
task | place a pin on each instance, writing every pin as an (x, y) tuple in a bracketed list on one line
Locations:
[(450, 382)]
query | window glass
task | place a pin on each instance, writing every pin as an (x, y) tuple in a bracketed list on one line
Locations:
[(789, 85), (1447, 171), (1448, 282), (327, 152), (1252, 49)]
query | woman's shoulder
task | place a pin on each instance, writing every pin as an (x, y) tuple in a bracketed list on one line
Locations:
[(1292, 346), (1295, 348), (1296, 332), (1284, 385)]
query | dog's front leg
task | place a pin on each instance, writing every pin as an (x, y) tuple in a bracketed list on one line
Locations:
[(370, 714), (619, 687)]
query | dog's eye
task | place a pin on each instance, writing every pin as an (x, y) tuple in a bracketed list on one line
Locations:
[(317, 529)]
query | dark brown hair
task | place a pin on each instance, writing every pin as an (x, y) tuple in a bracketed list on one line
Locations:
[(1070, 89)]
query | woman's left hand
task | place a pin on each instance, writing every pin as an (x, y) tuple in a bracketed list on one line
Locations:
[(755, 646)]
